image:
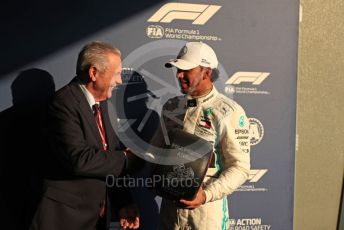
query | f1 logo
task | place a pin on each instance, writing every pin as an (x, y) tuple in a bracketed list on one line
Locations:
[(256, 174), (199, 13), (256, 78)]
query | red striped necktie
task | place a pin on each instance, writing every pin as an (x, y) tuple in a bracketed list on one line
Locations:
[(99, 121)]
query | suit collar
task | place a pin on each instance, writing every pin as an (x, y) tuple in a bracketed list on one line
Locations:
[(89, 97), (87, 112), (85, 109)]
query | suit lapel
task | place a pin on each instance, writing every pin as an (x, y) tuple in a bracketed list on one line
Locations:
[(85, 109)]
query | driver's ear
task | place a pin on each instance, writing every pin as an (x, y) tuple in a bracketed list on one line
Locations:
[(207, 73)]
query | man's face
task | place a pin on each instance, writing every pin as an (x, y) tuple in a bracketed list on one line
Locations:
[(107, 80), (190, 81)]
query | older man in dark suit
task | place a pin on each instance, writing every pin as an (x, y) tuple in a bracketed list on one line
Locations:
[(83, 149)]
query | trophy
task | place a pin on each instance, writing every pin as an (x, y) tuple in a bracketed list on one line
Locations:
[(182, 179)]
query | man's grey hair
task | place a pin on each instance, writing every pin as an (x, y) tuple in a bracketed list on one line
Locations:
[(94, 53)]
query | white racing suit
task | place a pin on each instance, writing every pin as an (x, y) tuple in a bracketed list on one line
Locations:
[(222, 122)]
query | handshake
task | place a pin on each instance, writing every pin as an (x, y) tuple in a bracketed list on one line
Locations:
[(133, 163)]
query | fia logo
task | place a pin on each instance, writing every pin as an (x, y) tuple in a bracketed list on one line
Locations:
[(199, 13), (155, 31)]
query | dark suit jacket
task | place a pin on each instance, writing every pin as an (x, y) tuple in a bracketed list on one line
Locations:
[(75, 184)]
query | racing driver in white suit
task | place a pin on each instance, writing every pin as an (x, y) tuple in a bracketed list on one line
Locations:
[(206, 113)]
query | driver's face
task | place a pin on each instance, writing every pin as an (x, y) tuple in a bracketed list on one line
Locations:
[(189, 80)]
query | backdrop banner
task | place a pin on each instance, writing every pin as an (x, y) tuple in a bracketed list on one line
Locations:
[(256, 44)]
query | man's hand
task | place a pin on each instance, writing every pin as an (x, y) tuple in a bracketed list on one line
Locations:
[(134, 163), (199, 200), (129, 217)]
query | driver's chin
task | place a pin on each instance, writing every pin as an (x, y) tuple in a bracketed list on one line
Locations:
[(184, 90)]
